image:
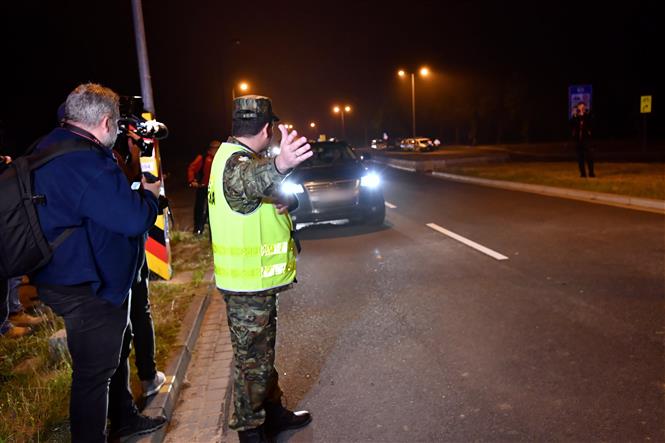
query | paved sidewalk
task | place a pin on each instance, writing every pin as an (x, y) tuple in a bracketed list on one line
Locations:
[(201, 410)]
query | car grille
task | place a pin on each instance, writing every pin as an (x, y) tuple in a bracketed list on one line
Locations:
[(335, 194)]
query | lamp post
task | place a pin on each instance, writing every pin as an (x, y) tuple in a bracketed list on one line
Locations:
[(243, 86), (424, 72), (341, 111)]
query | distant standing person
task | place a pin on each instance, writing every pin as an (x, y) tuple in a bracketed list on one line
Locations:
[(580, 125), (198, 175)]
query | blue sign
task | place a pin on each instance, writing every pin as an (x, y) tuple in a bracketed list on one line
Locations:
[(579, 93)]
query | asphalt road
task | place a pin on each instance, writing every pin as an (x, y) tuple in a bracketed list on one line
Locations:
[(403, 334)]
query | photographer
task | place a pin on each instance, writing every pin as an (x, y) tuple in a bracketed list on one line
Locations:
[(127, 152), (88, 279)]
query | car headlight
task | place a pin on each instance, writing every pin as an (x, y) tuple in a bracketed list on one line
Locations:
[(291, 188), (371, 180)]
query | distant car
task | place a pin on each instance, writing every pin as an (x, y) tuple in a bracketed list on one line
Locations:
[(418, 144), (393, 144), (334, 184), (379, 144)]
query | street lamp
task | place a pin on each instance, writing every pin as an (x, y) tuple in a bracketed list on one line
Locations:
[(312, 125), (341, 112), (424, 72), (243, 86)]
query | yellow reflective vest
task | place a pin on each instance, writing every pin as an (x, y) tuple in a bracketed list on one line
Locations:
[(252, 252)]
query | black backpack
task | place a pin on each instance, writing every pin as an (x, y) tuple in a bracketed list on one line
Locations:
[(23, 247)]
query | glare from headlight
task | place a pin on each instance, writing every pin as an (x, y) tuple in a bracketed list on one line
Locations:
[(371, 180), (291, 188)]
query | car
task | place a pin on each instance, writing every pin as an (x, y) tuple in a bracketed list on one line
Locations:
[(417, 144), (379, 144), (334, 184)]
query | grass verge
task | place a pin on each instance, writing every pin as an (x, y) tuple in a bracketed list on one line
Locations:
[(645, 180), (34, 389)]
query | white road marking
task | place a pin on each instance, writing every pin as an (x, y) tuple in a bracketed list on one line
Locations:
[(403, 168), (467, 242), (390, 205)]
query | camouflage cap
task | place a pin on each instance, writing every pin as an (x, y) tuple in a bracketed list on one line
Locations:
[(253, 106)]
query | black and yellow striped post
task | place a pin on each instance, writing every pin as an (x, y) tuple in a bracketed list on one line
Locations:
[(157, 247)]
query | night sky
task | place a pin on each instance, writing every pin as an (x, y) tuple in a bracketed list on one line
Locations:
[(503, 67)]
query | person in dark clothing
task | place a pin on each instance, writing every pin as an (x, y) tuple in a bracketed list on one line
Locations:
[(89, 277), (141, 331), (14, 323), (580, 125), (198, 175)]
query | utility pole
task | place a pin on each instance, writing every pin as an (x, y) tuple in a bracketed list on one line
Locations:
[(142, 52), (413, 103), (158, 251)]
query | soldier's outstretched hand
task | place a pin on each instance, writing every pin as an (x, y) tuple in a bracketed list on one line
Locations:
[(293, 150)]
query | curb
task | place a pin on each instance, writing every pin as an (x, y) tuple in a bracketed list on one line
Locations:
[(624, 201), (165, 401)]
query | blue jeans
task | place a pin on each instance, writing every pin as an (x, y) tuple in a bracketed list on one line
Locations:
[(9, 302)]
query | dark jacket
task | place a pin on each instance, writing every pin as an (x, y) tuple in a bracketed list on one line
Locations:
[(580, 126), (89, 191)]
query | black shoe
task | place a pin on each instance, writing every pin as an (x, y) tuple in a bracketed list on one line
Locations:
[(592, 175), (256, 435), (279, 419), (139, 425)]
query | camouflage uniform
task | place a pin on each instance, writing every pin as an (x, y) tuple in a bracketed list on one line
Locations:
[(253, 325), (248, 180)]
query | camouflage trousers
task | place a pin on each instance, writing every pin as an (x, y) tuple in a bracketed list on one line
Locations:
[(253, 324)]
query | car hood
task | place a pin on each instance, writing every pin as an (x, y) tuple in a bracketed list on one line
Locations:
[(345, 171)]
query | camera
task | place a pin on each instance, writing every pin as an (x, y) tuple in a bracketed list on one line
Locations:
[(131, 108)]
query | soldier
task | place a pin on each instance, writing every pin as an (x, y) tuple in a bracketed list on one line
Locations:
[(254, 254)]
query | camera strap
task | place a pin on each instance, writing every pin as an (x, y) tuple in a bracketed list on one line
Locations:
[(82, 133)]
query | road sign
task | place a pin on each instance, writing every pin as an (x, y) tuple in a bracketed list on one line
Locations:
[(645, 104), (579, 93)]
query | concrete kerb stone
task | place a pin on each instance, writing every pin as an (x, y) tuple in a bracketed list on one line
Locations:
[(624, 201), (165, 401), (430, 165), (642, 204)]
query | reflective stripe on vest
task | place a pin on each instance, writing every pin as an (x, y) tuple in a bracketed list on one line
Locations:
[(252, 252), (263, 250)]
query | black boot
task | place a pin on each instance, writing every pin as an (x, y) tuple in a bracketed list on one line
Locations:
[(279, 419), (256, 435)]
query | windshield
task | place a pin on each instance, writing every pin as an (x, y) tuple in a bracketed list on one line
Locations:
[(327, 154)]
